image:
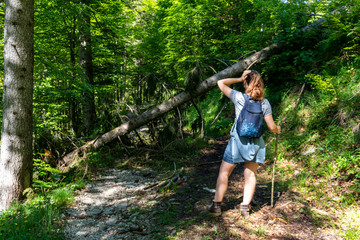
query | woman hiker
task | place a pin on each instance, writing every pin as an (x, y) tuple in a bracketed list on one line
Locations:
[(250, 151)]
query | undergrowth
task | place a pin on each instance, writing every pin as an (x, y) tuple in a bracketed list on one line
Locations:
[(319, 150), (39, 215), (175, 154), (39, 218)]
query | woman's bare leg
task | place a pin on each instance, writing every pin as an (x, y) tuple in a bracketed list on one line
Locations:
[(222, 180), (250, 181)]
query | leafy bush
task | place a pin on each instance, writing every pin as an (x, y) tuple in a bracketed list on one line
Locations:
[(349, 162), (322, 83), (45, 177)]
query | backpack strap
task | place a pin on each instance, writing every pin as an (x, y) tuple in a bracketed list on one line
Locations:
[(246, 98)]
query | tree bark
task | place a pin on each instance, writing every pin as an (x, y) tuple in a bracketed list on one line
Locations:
[(72, 104), (16, 162), (235, 70), (85, 52)]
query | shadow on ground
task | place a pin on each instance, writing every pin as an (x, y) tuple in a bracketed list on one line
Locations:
[(181, 213)]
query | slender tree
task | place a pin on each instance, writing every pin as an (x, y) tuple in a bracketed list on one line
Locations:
[(72, 104), (86, 62), (16, 135)]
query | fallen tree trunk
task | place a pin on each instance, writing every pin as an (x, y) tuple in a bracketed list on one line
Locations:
[(234, 71)]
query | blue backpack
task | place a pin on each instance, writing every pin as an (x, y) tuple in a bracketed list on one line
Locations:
[(250, 121)]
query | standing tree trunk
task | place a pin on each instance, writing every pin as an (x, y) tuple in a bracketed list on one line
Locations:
[(85, 52), (16, 136), (71, 33), (72, 103), (123, 75)]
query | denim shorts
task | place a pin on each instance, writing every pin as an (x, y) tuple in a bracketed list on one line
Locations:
[(243, 149)]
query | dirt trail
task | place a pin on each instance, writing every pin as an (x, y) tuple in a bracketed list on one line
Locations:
[(103, 210), (122, 204)]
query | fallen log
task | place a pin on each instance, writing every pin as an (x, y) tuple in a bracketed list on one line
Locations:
[(235, 70), (70, 159)]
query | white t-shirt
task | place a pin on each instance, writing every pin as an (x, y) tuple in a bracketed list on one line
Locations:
[(238, 99)]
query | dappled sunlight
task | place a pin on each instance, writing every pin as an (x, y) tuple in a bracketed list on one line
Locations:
[(129, 126), (350, 222)]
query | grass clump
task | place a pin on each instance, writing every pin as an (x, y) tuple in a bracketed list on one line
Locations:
[(36, 219), (62, 197)]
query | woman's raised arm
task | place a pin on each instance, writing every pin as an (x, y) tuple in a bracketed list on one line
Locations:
[(224, 83)]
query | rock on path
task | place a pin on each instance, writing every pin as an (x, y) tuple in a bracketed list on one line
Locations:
[(106, 208)]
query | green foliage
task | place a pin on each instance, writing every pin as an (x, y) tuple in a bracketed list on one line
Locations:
[(352, 234), (349, 162), (61, 197), (167, 217), (321, 83), (142, 51), (261, 232), (321, 136), (37, 219), (45, 177), (99, 159)]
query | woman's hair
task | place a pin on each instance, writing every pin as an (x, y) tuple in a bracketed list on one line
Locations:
[(254, 85)]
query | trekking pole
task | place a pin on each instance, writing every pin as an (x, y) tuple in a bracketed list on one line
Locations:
[(273, 171), (276, 146)]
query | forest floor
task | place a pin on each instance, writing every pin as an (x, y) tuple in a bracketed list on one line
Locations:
[(129, 204)]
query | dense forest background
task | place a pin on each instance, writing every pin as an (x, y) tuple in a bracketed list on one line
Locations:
[(99, 64)]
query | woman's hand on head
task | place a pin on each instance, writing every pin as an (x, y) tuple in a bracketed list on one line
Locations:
[(245, 73)]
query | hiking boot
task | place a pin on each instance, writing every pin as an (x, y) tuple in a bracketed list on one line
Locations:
[(215, 208), (245, 210)]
